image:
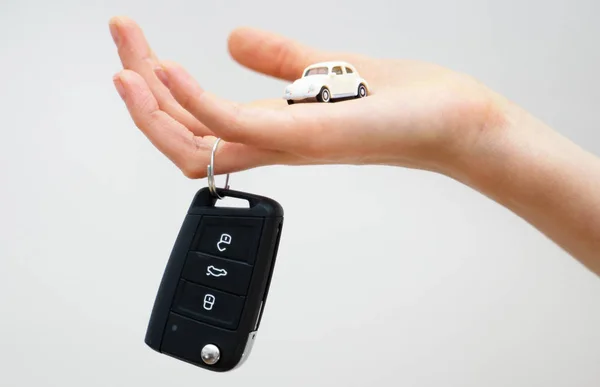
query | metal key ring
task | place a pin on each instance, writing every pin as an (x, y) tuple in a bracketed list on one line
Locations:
[(211, 172)]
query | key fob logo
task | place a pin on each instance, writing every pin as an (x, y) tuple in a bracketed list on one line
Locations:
[(225, 240), (209, 301)]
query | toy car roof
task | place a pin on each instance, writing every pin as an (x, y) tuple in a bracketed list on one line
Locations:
[(330, 64)]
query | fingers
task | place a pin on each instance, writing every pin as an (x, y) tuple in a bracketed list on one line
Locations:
[(272, 54), (252, 125), (168, 135), (314, 131), (136, 55), (285, 58), (189, 153)]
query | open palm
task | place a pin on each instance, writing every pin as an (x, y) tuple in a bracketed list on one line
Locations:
[(417, 114)]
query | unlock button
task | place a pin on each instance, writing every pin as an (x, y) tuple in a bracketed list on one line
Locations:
[(223, 242), (235, 238)]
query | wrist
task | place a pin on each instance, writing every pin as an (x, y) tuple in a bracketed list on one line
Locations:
[(541, 176), (488, 159)]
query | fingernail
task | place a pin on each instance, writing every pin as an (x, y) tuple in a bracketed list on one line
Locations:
[(119, 86), (114, 31), (162, 75)]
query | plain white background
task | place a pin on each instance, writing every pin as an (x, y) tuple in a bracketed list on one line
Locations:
[(385, 276)]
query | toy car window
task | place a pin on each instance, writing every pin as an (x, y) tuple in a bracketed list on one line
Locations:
[(316, 71), (337, 70), (349, 70)]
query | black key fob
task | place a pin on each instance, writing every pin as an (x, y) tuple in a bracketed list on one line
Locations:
[(215, 285)]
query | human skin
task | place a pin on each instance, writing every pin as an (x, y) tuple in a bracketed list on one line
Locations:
[(417, 115)]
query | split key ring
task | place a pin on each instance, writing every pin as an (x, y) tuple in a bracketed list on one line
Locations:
[(210, 169)]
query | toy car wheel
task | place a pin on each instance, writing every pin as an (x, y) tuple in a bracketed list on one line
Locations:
[(324, 95), (362, 91), (290, 101)]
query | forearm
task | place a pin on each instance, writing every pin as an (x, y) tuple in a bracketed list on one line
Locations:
[(543, 177)]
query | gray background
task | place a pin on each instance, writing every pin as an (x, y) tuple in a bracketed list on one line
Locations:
[(386, 276)]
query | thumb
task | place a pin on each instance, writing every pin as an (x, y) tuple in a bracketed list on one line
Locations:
[(272, 54)]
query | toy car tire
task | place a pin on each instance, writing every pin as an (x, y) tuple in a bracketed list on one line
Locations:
[(362, 91), (290, 101), (324, 95)]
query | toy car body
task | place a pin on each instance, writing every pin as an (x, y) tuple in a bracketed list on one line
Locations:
[(327, 81)]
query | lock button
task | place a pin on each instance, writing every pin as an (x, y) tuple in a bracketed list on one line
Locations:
[(208, 305), (235, 238)]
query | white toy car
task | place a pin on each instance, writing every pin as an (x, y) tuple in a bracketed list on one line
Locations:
[(327, 81)]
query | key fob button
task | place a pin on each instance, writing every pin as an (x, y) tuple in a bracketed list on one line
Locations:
[(188, 339), (209, 305), (210, 354), (217, 273), (229, 237)]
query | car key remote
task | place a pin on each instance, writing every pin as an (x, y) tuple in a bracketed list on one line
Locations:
[(213, 291)]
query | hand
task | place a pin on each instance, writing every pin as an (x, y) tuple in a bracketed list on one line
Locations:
[(417, 115)]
